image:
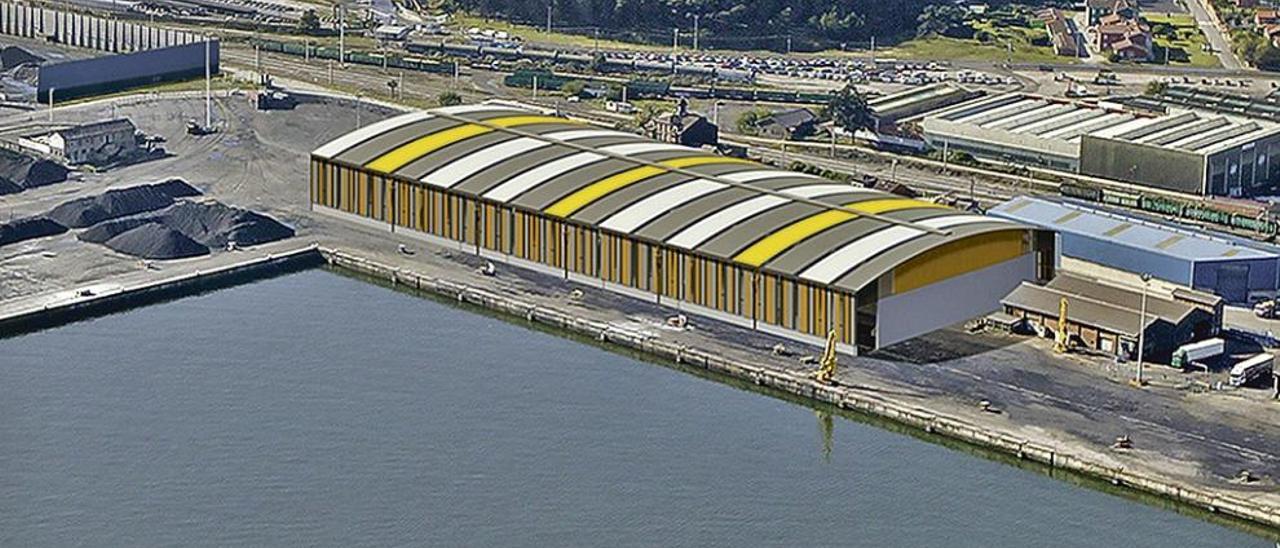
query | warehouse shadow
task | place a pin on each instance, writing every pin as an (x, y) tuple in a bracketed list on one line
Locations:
[(947, 344)]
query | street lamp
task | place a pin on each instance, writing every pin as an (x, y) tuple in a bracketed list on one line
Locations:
[(1142, 324), (696, 17)]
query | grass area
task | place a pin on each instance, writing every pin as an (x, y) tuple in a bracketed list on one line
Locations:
[(1180, 37), (219, 83), (941, 48)]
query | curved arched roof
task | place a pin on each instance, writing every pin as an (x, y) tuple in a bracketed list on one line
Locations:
[(784, 222)]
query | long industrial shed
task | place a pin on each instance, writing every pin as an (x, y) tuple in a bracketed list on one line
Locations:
[(778, 251)]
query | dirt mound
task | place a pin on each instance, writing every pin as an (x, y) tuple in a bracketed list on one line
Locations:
[(214, 224), (19, 172), (27, 229), (177, 188), (156, 241), (112, 204)]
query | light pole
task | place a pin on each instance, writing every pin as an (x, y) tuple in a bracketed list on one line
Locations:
[(1142, 324), (696, 17), (549, 4)]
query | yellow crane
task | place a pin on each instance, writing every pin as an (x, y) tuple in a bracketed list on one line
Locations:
[(826, 372), (1061, 340)]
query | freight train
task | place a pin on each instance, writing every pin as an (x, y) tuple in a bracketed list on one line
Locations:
[(1253, 218), (360, 58)]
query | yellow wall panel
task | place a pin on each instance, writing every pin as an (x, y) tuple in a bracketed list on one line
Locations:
[(956, 258)]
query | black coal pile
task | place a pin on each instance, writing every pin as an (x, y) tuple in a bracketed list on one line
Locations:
[(28, 228), (106, 230), (156, 241), (19, 172), (121, 202), (214, 224), (177, 188)]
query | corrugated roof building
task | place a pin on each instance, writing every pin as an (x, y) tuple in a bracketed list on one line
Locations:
[(724, 237), (1188, 151), (1234, 269)]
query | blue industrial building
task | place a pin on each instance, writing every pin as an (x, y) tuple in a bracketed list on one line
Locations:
[(1238, 270)]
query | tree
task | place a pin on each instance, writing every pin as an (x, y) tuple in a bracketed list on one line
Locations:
[(1156, 87), (647, 112), (448, 99), (849, 110), (749, 121), (574, 88), (309, 23), (943, 20)]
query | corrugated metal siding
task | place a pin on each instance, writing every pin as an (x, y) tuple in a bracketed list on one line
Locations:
[(1132, 259)]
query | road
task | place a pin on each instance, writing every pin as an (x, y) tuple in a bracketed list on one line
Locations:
[(1209, 26)]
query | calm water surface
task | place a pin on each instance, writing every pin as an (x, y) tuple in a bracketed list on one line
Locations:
[(315, 409)]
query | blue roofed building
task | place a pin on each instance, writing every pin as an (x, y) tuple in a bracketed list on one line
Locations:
[(1238, 270)]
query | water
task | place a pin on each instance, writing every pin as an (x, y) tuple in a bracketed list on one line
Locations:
[(316, 409)]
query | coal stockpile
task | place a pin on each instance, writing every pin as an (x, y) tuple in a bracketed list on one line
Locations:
[(28, 228), (155, 241), (19, 172), (215, 224), (106, 230), (122, 202), (177, 188)]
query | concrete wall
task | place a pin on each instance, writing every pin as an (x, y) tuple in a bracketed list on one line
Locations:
[(87, 31), (108, 74), (1141, 164), (1123, 257), (906, 315)]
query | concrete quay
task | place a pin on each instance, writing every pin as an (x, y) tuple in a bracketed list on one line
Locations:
[(798, 384)]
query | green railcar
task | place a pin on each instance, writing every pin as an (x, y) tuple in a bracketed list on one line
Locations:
[(1162, 205), (1081, 192)]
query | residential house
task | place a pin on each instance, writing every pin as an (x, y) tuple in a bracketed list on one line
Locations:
[(683, 127), (788, 124), (1128, 38), (1095, 10)]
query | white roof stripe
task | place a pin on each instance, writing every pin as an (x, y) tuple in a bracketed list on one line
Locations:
[(341, 144), (638, 214), (458, 170), (853, 254), (521, 183), (717, 222), (641, 212)]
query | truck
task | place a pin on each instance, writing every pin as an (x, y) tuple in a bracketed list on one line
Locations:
[(1188, 354), (1265, 309), (1252, 368)]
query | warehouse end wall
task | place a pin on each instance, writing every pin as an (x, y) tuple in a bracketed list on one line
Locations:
[(1238, 282), (914, 313), (1175, 170)]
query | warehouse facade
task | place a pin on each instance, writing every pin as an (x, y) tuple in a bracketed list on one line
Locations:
[(1236, 270), (1190, 151), (778, 251)]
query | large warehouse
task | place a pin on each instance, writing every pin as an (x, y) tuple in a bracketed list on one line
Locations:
[(1190, 151), (723, 237), (1236, 270)]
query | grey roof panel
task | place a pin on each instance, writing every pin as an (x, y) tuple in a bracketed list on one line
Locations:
[(600, 209), (811, 250), (481, 182), (435, 159), (547, 193), (367, 151)]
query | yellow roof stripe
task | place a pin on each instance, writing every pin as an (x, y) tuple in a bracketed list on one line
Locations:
[(586, 195), (774, 244), (404, 154)]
